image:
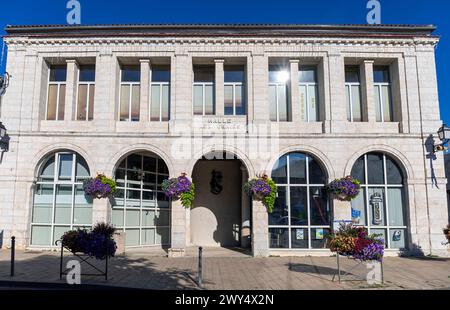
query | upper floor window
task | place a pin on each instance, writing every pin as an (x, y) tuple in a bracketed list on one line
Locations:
[(160, 93), (86, 92), (278, 94), (56, 98), (234, 78), (353, 94), (309, 107), (383, 96), (203, 94), (130, 85)]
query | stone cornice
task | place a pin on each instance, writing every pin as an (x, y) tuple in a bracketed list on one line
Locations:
[(204, 41)]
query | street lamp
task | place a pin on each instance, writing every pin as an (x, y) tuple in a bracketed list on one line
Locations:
[(444, 136), (4, 139)]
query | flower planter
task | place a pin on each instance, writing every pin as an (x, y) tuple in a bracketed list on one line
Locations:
[(180, 188), (344, 189), (262, 189)]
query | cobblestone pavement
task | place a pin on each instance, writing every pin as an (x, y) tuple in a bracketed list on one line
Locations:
[(138, 270)]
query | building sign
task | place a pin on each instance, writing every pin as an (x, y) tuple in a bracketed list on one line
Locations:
[(299, 234), (376, 200), (319, 233), (224, 123)]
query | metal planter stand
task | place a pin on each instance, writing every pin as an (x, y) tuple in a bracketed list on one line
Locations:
[(83, 258), (344, 273)]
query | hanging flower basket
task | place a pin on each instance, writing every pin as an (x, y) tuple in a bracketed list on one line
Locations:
[(262, 189), (356, 243), (180, 188), (99, 187), (344, 189)]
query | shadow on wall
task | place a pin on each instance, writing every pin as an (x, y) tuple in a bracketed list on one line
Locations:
[(429, 147), (414, 251), (1, 239), (140, 273)]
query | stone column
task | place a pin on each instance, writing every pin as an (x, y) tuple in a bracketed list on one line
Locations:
[(338, 106), (246, 230), (219, 87), (367, 91), (260, 89), (178, 230), (105, 99), (71, 90), (145, 91), (260, 230), (294, 90), (182, 75)]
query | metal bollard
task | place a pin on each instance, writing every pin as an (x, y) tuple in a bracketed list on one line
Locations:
[(13, 254), (200, 267)]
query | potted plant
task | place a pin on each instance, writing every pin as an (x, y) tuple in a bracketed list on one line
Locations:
[(180, 188), (262, 189), (99, 187), (344, 189)]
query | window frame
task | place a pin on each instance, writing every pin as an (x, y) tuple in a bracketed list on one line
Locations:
[(307, 103), (58, 84), (349, 86), (55, 183), (203, 85), (160, 86), (308, 187), (233, 85), (130, 98), (89, 85), (378, 86), (277, 101)]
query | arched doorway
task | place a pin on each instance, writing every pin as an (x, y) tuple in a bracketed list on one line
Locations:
[(221, 213), (140, 209)]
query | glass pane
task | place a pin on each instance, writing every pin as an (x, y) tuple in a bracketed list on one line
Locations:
[(117, 217), (87, 73), (91, 102), (303, 107), (160, 73), (279, 171), (204, 74), (65, 166), (43, 203), (349, 104), (165, 102), (62, 100), (387, 103), (358, 170), (162, 167), (155, 103), (135, 163), (162, 236), (59, 232), (41, 235), (148, 218), (375, 168), (239, 98), (279, 215), (283, 108), (162, 218), (279, 238), (299, 238), (82, 213), (395, 205), (149, 164), (124, 102), (316, 175), (397, 238), (148, 236), (299, 207), (63, 205), (163, 201), (377, 207), (356, 97), (381, 74), (131, 237), (132, 218), (351, 75), (359, 208), (297, 168), (381, 235), (234, 74), (377, 103), (307, 74), (82, 169), (209, 99), (135, 102), (58, 73), (228, 93), (273, 102), (48, 170), (131, 73), (278, 74), (313, 106), (393, 172), (198, 99), (51, 104), (320, 212), (319, 238)]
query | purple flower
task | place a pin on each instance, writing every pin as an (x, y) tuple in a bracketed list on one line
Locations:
[(174, 187)]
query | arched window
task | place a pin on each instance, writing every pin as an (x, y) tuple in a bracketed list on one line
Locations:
[(380, 206), (141, 209), (301, 217), (59, 201)]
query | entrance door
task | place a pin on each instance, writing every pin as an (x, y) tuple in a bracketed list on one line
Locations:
[(216, 216)]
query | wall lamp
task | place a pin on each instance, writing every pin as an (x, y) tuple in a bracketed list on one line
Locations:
[(444, 136)]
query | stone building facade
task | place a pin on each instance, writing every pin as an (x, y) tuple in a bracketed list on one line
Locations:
[(224, 103)]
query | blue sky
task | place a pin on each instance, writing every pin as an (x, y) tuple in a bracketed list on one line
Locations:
[(245, 11)]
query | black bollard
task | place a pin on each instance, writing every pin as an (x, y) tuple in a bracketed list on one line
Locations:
[(200, 267), (13, 254)]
